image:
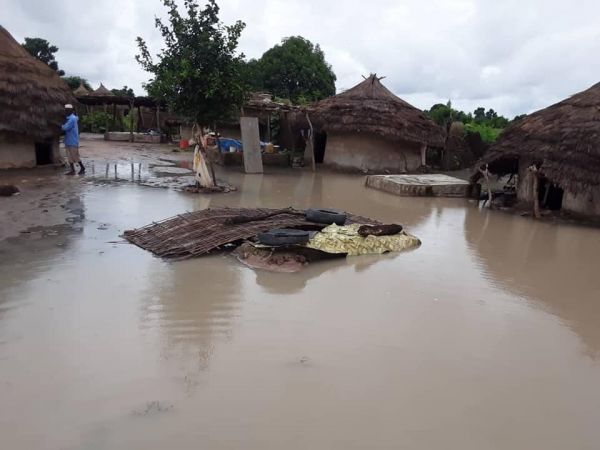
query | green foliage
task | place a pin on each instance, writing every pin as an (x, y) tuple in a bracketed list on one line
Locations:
[(123, 92), (487, 132), (487, 123), (73, 81), (295, 69), (129, 121), (198, 69), (97, 122), (42, 50)]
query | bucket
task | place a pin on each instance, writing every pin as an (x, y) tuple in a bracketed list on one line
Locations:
[(183, 144)]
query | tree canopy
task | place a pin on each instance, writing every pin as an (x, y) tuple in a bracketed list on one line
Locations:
[(123, 92), (485, 122), (74, 81), (295, 69), (198, 69), (42, 50)]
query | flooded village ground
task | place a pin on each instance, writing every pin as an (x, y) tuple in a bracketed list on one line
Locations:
[(485, 337)]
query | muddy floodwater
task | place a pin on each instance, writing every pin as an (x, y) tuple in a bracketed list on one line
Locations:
[(486, 337)]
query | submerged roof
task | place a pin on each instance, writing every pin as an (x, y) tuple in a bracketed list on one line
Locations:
[(32, 95), (370, 107), (564, 139)]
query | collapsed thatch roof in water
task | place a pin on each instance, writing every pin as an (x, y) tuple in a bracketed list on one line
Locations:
[(200, 232), (563, 140), (370, 107), (32, 95)]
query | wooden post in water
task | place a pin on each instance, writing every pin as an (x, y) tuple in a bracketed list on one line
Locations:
[(115, 171), (309, 151), (486, 176), (106, 170), (533, 170)]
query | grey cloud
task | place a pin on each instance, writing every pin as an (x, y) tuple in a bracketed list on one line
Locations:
[(514, 56)]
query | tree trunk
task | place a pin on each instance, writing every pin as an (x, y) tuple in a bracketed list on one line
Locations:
[(201, 170)]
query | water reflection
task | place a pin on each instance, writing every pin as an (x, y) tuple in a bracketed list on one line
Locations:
[(553, 265), (192, 304)]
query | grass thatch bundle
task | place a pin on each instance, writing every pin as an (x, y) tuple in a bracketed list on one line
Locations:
[(370, 107), (32, 95), (563, 140)]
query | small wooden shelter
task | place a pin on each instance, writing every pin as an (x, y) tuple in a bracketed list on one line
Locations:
[(369, 128), (32, 99)]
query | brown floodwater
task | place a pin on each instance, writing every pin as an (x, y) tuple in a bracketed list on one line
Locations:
[(486, 337)]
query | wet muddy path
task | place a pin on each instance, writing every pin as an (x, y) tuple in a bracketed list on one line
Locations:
[(486, 337)]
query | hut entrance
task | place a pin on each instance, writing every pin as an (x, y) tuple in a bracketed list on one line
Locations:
[(550, 195), (43, 153), (320, 145)]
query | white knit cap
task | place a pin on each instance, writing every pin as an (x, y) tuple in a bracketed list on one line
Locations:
[(68, 106)]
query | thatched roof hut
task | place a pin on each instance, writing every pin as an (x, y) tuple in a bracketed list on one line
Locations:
[(32, 99), (369, 107), (81, 90), (370, 129), (563, 139), (563, 142), (102, 92), (32, 95)]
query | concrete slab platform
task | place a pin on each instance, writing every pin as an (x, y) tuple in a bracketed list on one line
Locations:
[(429, 185)]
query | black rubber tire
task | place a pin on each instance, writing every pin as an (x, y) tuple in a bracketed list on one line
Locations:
[(327, 216), (283, 236)]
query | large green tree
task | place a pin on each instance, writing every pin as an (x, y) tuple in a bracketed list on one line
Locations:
[(123, 92), (295, 69), (74, 81), (197, 71), (42, 50)]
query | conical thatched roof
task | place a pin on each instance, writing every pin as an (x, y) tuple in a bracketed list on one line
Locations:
[(103, 92), (370, 107), (563, 139), (32, 95), (81, 90)]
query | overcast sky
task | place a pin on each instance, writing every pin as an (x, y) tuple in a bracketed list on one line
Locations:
[(515, 56)]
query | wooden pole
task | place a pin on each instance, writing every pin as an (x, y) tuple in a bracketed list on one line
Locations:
[(131, 106), (423, 154), (533, 170), (486, 176), (158, 118), (309, 152)]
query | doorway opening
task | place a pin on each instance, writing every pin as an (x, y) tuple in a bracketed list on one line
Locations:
[(550, 195), (320, 145), (43, 153)]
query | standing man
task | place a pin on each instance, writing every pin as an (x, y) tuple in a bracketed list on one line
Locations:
[(71, 130)]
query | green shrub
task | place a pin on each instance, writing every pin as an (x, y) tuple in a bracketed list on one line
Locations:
[(488, 134), (97, 121)]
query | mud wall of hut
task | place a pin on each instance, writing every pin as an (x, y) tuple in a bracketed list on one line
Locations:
[(353, 151), (17, 153), (585, 203)]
